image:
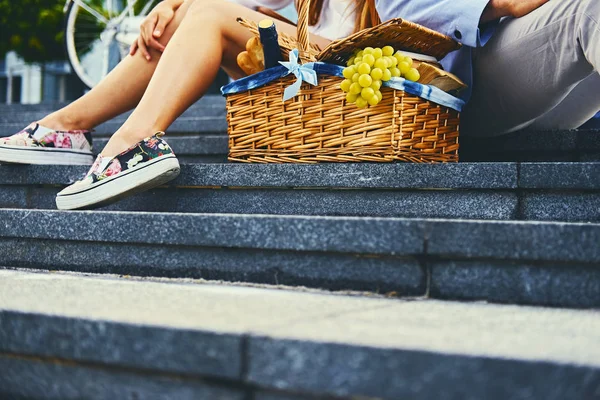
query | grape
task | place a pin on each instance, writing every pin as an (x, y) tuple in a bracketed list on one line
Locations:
[(376, 85), (357, 60), (399, 57), (378, 94), (367, 93), (361, 103), (388, 62), (351, 97), (350, 62), (408, 60), (388, 51), (365, 80), (413, 75), (355, 77), (348, 72), (395, 72), (403, 67), (381, 63), (369, 59), (355, 88), (393, 60), (364, 68), (373, 101), (376, 73), (368, 50), (387, 75), (345, 85), (360, 53), (377, 53)]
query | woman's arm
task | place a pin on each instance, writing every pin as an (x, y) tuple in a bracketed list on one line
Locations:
[(497, 9)]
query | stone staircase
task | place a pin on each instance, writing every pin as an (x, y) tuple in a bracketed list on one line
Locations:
[(330, 281)]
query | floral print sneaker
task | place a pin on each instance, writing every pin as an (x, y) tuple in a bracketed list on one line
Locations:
[(37, 144), (143, 166)]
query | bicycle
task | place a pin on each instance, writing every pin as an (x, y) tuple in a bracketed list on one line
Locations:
[(99, 33)]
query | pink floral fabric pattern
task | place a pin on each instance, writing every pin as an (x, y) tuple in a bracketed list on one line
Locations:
[(74, 140)]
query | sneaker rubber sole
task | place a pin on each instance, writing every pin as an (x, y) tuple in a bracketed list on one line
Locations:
[(47, 156), (138, 179)]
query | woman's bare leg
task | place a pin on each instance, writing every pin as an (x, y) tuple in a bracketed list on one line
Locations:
[(208, 37), (118, 92)]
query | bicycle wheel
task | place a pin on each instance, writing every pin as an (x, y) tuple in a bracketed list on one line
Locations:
[(98, 34)]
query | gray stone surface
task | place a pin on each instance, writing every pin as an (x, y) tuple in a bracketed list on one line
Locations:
[(187, 145), (560, 176), (98, 306), (526, 140), (391, 374), (197, 111), (336, 234), (356, 175), (503, 282), (561, 206), (262, 395), (332, 271), (294, 342), (544, 241), (23, 378), (13, 197), (216, 101), (374, 203), (192, 125), (589, 140), (593, 156), (101, 341)]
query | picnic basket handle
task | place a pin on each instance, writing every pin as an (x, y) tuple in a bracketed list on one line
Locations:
[(302, 35)]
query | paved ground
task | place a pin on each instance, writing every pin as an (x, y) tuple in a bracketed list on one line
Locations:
[(506, 331)]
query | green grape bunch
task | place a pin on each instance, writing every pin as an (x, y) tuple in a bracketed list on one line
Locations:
[(367, 69)]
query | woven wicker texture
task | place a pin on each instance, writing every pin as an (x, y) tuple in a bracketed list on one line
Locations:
[(319, 126), (398, 33)]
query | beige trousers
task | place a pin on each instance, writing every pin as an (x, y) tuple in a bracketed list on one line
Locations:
[(539, 71)]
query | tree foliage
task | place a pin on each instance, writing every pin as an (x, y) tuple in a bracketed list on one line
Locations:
[(32, 28)]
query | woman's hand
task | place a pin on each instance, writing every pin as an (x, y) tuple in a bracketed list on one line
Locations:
[(153, 27), (510, 8)]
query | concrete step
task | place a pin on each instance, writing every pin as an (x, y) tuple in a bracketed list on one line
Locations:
[(490, 191), (12, 112), (512, 262), (209, 106), (207, 116), (194, 125), (70, 336)]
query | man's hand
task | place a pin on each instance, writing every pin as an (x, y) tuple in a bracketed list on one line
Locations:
[(153, 27), (509, 8)]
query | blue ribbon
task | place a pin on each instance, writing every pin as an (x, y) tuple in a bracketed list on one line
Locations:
[(304, 72), (308, 72)]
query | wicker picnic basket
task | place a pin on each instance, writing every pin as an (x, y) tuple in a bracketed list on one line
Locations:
[(318, 125)]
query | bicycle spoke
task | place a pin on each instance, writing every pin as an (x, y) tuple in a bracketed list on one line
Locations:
[(92, 11), (147, 7)]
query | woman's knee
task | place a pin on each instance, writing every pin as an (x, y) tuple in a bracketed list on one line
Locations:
[(208, 9)]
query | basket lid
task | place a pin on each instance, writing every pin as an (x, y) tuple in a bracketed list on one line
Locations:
[(400, 34)]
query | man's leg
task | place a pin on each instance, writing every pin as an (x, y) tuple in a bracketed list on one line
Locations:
[(537, 65), (573, 111)]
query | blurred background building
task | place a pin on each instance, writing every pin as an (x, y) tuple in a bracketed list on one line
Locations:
[(48, 82)]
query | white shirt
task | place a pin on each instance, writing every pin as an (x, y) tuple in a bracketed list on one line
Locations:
[(337, 17)]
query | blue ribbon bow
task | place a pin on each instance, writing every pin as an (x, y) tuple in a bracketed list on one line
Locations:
[(304, 72)]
